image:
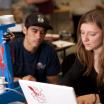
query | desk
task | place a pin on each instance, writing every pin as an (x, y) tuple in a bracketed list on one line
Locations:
[(51, 37), (16, 28), (62, 45)]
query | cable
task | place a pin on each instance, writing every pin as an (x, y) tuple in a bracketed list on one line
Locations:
[(9, 89)]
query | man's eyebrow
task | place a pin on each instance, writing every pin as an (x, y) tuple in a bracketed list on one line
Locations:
[(34, 28)]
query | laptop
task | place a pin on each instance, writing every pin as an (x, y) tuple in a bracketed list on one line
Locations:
[(44, 93)]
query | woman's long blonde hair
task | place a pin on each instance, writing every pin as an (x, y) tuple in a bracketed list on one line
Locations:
[(86, 57)]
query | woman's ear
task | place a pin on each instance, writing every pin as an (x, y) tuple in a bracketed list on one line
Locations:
[(24, 30)]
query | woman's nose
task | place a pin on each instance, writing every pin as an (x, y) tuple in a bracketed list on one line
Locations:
[(85, 38)]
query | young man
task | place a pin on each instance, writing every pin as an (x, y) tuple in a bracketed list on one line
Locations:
[(35, 59)]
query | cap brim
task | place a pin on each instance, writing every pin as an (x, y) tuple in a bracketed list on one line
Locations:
[(46, 26)]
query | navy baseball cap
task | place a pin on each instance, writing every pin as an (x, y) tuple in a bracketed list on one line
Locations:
[(37, 19)]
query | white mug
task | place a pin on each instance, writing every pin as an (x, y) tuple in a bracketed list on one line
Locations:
[(2, 84)]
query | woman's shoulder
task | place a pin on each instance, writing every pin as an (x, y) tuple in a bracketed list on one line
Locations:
[(78, 65)]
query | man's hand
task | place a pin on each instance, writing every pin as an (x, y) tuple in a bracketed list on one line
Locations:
[(53, 79), (29, 77), (16, 78), (88, 99), (9, 36)]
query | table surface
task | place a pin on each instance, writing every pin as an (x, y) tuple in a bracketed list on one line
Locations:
[(61, 44)]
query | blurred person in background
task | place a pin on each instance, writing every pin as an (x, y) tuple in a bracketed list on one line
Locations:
[(5, 7), (43, 6)]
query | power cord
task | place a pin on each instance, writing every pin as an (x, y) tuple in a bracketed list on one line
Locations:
[(4, 89), (9, 89)]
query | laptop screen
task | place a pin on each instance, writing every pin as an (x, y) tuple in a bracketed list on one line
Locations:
[(43, 93)]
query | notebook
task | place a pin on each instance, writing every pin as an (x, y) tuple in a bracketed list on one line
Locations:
[(43, 93)]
